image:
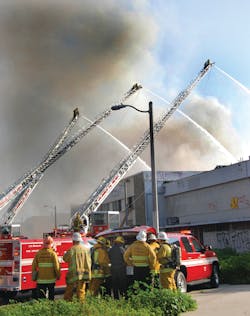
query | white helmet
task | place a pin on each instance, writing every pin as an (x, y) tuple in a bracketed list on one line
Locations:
[(162, 236), (141, 236), (77, 237), (152, 237)]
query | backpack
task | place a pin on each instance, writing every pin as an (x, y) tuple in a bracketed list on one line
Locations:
[(175, 256)]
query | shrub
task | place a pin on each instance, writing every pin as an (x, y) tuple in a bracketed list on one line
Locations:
[(160, 301), (151, 302), (234, 267)]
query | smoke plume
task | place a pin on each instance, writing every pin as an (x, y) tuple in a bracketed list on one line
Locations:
[(56, 55)]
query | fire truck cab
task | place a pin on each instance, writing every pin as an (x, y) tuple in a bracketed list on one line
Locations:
[(7, 231), (199, 264), (103, 220)]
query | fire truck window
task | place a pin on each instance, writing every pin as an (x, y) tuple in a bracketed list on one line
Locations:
[(197, 245), (99, 219), (186, 244), (114, 220)]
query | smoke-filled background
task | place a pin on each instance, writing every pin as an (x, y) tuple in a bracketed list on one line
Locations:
[(56, 55)]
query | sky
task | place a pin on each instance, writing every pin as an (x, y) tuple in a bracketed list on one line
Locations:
[(56, 55)]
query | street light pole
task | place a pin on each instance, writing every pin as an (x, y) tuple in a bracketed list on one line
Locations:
[(153, 171), (152, 157)]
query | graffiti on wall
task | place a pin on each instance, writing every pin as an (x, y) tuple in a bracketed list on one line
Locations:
[(238, 240)]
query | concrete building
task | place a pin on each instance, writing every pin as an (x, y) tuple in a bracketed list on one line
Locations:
[(214, 205), (132, 197)]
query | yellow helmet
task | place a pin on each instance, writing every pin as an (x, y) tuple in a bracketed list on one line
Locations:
[(101, 240), (119, 239), (108, 243)]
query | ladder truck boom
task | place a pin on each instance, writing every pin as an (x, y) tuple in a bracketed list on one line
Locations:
[(83, 132), (19, 201), (28, 177), (22, 189), (109, 183), (79, 135)]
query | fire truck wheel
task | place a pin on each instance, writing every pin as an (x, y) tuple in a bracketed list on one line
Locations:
[(215, 281), (181, 282)]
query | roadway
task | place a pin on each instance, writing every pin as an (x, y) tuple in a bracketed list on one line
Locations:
[(227, 300)]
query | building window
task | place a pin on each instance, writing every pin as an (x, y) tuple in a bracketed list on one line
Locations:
[(130, 202)]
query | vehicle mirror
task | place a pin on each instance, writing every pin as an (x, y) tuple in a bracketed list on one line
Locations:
[(208, 247)]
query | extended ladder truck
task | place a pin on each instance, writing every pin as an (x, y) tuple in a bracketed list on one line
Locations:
[(119, 171), (17, 252)]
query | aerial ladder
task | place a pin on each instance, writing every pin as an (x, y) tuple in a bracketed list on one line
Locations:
[(118, 172), (20, 191)]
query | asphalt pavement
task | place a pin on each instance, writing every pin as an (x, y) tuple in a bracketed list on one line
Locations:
[(227, 300)]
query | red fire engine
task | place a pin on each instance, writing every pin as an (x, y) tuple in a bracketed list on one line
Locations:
[(17, 254)]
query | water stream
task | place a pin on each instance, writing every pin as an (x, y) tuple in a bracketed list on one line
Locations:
[(221, 148), (244, 88), (119, 142)]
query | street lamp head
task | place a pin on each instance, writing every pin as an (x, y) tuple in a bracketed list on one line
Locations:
[(118, 107)]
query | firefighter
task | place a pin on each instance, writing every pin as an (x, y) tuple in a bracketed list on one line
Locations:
[(167, 271), (100, 265), (118, 267), (108, 278), (46, 269), (79, 269), (154, 244), (141, 256)]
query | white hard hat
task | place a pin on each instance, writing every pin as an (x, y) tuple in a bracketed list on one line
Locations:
[(77, 237), (141, 236), (152, 237), (162, 236)]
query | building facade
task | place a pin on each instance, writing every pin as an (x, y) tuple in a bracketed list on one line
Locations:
[(215, 205), (132, 197)]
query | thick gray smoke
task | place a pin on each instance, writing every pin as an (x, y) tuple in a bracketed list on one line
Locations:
[(56, 55)]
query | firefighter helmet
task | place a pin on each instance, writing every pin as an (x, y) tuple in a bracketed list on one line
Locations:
[(162, 236), (152, 237), (119, 239), (141, 236), (48, 241), (77, 237), (108, 243), (101, 240)]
